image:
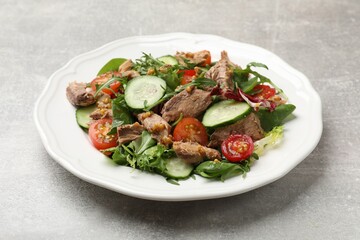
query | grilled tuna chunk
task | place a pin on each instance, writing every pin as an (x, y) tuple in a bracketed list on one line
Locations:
[(222, 72), (80, 95), (197, 58), (249, 126), (157, 126), (193, 152), (129, 132), (190, 104)]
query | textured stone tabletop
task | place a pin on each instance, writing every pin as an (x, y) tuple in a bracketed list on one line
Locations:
[(319, 199)]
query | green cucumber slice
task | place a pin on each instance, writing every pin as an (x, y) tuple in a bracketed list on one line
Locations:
[(224, 113), (177, 168), (144, 91), (83, 115), (169, 60)]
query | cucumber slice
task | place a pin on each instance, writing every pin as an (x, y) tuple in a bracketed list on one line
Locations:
[(83, 115), (177, 168), (224, 113), (169, 60), (144, 90)]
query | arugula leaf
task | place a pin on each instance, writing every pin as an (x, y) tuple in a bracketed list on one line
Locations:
[(249, 85), (112, 65), (269, 120), (201, 83), (241, 76), (256, 64), (222, 170), (171, 77), (144, 63), (147, 64)]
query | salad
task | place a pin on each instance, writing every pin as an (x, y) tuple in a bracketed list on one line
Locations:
[(181, 115)]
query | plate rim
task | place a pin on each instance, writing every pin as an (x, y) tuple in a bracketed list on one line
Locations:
[(77, 172)]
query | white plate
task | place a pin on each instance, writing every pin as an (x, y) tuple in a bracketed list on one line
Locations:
[(70, 147)]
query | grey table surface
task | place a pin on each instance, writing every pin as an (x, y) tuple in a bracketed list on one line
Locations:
[(319, 199)]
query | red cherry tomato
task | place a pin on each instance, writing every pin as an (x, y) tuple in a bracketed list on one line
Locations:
[(98, 134), (207, 61), (264, 91), (190, 129), (187, 76), (100, 80), (237, 147)]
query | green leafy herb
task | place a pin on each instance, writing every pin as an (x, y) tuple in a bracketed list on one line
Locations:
[(152, 159), (178, 120), (249, 85), (121, 113), (147, 64), (188, 64), (172, 181), (144, 154), (241, 77), (201, 83), (112, 65), (222, 170), (270, 140), (141, 144), (120, 156), (269, 120)]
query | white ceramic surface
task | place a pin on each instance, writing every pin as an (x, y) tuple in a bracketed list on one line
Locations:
[(70, 147)]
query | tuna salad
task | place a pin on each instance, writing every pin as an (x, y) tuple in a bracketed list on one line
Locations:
[(181, 115)]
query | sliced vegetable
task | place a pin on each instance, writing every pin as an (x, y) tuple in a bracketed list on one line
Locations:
[(263, 91), (177, 168), (83, 115), (143, 91), (237, 147), (98, 133), (207, 61), (190, 129), (225, 112), (187, 76), (169, 60), (112, 65), (102, 79), (269, 120)]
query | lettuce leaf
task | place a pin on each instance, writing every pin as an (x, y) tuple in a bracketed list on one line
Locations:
[(271, 139)]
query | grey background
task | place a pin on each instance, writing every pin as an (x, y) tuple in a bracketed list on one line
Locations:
[(319, 199)]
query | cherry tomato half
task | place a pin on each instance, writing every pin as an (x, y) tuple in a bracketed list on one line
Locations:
[(187, 77), (99, 80), (207, 61), (264, 91), (190, 129), (98, 134), (237, 147)]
